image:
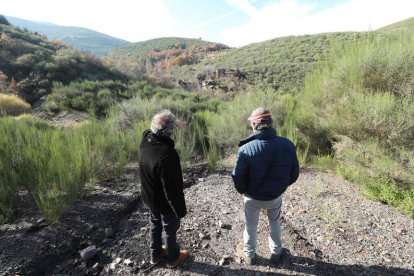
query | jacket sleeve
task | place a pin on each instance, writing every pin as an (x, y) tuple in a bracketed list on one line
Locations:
[(294, 172), (240, 173), (172, 183)]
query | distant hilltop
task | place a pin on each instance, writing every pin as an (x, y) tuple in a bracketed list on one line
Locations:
[(81, 39)]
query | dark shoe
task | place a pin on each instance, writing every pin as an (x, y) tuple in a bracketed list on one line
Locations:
[(282, 257), (275, 258), (158, 259), (240, 252), (181, 258)]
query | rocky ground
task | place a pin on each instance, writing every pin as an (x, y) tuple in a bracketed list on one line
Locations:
[(329, 228)]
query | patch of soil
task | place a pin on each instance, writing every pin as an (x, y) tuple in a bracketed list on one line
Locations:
[(31, 247), (65, 118)]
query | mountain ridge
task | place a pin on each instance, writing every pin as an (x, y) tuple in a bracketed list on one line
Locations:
[(83, 39), (279, 63)]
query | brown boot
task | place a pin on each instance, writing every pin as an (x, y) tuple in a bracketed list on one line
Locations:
[(156, 260), (181, 258)]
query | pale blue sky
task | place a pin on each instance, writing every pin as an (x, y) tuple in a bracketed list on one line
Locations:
[(232, 22), (208, 18)]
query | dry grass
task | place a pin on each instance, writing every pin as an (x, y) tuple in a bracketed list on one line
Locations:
[(12, 105)]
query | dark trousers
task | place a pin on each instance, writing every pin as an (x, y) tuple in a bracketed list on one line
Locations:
[(170, 223)]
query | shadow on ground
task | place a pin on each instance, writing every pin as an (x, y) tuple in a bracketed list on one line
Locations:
[(290, 265)]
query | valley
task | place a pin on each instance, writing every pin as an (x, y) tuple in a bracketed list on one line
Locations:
[(71, 123)]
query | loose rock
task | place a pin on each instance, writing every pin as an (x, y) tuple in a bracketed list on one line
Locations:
[(88, 253), (112, 266), (128, 262), (224, 225)]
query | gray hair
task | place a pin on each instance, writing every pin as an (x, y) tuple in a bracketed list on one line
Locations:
[(163, 123)]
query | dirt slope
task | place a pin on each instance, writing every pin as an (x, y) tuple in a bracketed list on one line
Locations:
[(327, 226)]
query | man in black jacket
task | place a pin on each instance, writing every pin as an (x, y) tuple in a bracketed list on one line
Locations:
[(162, 187)]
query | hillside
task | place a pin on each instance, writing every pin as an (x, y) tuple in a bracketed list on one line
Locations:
[(81, 39), (402, 26), (280, 63), (155, 57), (29, 64), (158, 44), (356, 114)]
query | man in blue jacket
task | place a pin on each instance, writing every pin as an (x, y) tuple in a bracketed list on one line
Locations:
[(266, 165)]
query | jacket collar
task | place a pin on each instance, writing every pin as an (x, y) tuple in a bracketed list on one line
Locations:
[(265, 134), (150, 137)]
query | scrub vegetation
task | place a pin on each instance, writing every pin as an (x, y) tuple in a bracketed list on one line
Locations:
[(358, 109), (346, 100)]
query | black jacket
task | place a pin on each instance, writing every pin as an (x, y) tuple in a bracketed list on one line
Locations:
[(161, 176)]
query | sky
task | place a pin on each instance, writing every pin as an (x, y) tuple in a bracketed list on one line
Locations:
[(232, 22)]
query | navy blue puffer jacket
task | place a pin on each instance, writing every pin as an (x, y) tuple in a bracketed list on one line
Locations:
[(266, 165)]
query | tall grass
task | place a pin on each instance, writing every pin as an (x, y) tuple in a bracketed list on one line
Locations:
[(54, 164), (360, 109), (185, 141), (288, 128), (225, 128), (213, 130), (127, 114), (208, 146)]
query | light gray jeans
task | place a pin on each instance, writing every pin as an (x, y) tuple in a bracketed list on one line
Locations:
[(252, 209)]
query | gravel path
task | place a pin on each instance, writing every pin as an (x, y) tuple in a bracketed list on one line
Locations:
[(348, 228), (329, 228)]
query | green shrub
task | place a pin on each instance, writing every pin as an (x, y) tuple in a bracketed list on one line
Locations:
[(324, 162), (97, 96), (386, 70), (359, 108), (100, 96), (35, 122)]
